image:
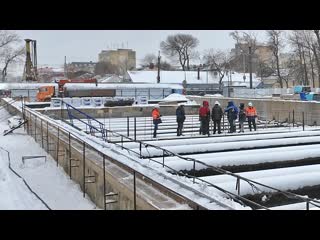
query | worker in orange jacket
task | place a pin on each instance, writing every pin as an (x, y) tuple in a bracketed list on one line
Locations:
[(156, 117), (251, 114)]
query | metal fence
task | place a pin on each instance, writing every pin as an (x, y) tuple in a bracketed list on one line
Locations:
[(235, 197), (39, 127), (46, 126)]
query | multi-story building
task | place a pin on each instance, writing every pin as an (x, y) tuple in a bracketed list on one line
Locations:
[(81, 66), (262, 55), (123, 58)]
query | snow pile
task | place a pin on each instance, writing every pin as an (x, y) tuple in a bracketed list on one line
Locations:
[(14, 121), (175, 97), (214, 95)]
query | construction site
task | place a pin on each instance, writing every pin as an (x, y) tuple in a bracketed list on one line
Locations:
[(101, 137)]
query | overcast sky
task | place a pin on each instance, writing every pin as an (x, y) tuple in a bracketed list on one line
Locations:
[(85, 45)]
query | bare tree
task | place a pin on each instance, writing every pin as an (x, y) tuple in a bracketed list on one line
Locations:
[(10, 51), (11, 55), (296, 41), (244, 40), (181, 47), (218, 61), (275, 42), (7, 38), (149, 59), (316, 32)]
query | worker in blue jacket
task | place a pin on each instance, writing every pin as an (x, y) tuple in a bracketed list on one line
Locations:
[(232, 113)]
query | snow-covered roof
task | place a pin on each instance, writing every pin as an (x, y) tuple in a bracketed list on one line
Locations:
[(171, 77), (89, 86), (8, 86), (190, 76)]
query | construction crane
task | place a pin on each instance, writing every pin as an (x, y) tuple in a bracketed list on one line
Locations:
[(30, 69)]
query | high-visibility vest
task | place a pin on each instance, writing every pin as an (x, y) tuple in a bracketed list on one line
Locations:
[(251, 111), (155, 114)]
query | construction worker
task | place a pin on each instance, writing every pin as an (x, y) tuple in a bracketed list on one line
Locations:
[(216, 115), (251, 114), (156, 117), (232, 114), (242, 117), (180, 113), (204, 117)]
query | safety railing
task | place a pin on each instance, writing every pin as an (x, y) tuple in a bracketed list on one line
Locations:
[(71, 139), (236, 197), (238, 178), (219, 170)]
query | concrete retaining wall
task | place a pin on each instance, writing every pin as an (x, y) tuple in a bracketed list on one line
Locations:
[(118, 112), (280, 110)]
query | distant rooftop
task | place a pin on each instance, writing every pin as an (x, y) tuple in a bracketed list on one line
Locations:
[(191, 77)]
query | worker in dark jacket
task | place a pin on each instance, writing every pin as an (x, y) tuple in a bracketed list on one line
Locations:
[(216, 115), (180, 113), (242, 117), (204, 117), (232, 113)]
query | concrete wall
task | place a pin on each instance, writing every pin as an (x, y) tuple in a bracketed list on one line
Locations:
[(280, 110), (118, 112)]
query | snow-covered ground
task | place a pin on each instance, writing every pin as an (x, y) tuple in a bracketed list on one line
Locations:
[(44, 177)]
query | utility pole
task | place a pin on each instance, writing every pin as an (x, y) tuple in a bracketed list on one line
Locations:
[(250, 65), (158, 77), (65, 66)]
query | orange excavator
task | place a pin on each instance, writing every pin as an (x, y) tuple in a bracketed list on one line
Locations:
[(45, 93)]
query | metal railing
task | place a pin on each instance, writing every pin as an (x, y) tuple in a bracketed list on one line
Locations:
[(68, 137), (237, 197), (231, 195)]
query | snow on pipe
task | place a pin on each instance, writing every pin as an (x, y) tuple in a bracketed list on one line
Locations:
[(270, 173), (246, 157), (286, 182), (177, 142), (218, 146), (249, 182)]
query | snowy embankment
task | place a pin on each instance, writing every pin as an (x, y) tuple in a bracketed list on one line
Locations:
[(284, 179), (44, 177), (245, 157), (14, 194)]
